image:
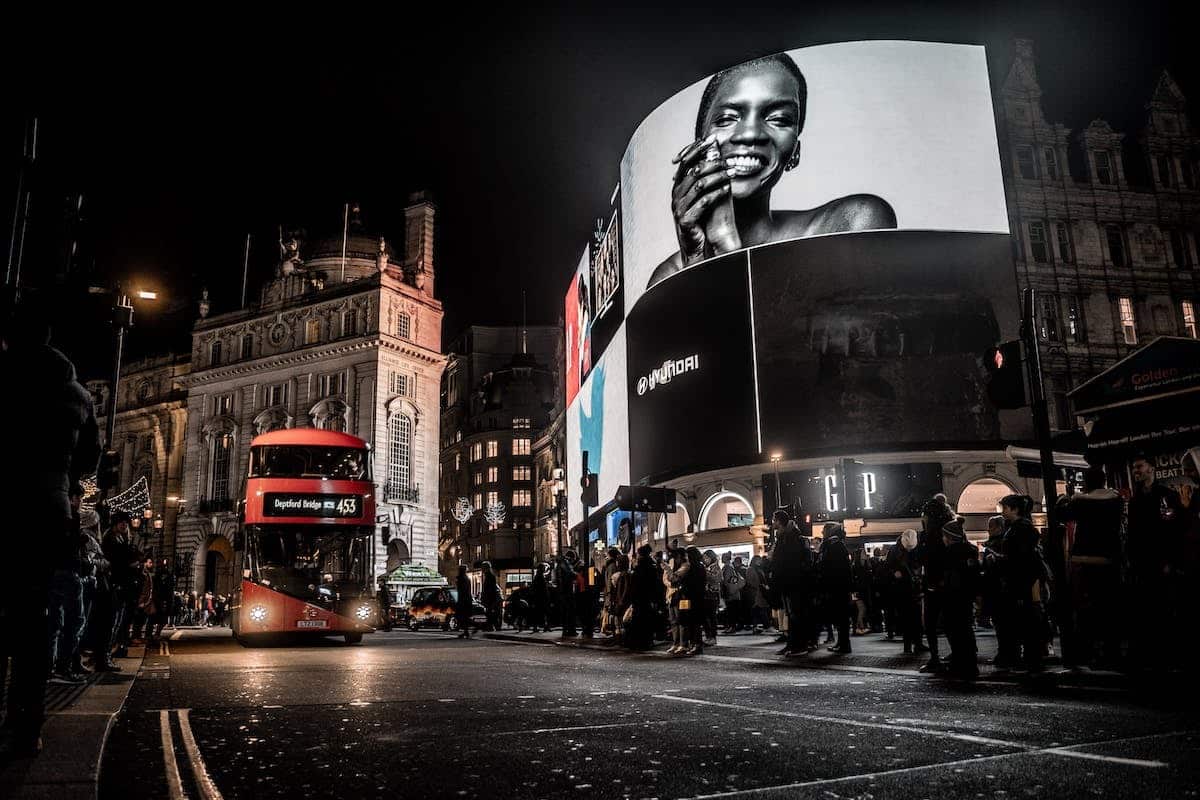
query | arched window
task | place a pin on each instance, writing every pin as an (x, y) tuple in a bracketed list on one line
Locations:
[(404, 325), (399, 466)]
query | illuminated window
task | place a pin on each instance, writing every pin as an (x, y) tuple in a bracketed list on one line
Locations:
[(1188, 312), (1051, 163), (1037, 241), (477, 479), (247, 346), (214, 353), (1104, 172), (312, 331), (522, 498), (522, 474), (1026, 167), (493, 474), (399, 453), (1116, 245), (477, 500), (1166, 175), (493, 498), (1128, 323), (521, 423), (477, 451), (521, 447), (493, 448), (219, 481), (1076, 319), (403, 325), (457, 461), (1066, 253)]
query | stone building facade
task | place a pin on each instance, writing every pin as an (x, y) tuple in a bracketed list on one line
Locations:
[(498, 398), (148, 433), (1103, 228), (350, 344)]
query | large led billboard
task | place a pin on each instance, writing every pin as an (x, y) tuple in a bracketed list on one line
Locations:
[(815, 259)]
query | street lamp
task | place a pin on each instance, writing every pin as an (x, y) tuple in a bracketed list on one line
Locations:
[(775, 459)]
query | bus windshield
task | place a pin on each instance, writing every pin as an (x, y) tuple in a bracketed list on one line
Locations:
[(310, 461), (313, 563)]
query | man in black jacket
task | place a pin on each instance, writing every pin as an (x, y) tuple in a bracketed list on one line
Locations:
[(932, 558), (836, 582), (52, 440), (958, 599), (792, 574), (1094, 569), (564, 582)]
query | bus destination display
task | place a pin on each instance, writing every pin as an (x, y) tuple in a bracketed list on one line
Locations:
[(279, 504)]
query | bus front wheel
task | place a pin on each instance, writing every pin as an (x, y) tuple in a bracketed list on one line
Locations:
[(353, 638)]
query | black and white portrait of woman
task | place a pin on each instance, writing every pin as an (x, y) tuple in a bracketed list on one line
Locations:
[(748, 136)]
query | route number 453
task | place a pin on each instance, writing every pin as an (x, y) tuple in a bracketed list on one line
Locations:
[(348, 506)]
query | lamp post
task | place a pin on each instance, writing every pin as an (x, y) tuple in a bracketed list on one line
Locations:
[(775, 459)]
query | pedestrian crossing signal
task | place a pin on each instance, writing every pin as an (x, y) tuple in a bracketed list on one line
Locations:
[(590, 496), (1006, 379)]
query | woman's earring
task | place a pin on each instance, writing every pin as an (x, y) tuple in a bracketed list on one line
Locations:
[(794, 161)]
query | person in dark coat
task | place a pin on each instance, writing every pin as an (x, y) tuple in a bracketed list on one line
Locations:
[(836, 584), (693, 585), (793, 576), (958, 600), (1157, 519), (1021, 633), (464, 603), (644, 598), (490, 596), (564, 583), (1094, 569), (384, 596), (52, 440), (905, 592), (931, 554), (539, 599)]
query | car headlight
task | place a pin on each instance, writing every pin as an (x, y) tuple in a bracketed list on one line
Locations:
[(363, 612), (258, 613)]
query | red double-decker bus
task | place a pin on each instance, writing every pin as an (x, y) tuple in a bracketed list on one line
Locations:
[(305, 542)]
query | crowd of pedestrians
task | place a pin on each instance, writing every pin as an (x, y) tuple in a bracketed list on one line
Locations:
[(1104, 587)]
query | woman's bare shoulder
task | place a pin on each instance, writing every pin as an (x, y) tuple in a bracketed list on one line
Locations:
[(665, 270), (855, 212)]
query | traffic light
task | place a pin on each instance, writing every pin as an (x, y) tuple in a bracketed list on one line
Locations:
[(590, 482), (1006, 378)]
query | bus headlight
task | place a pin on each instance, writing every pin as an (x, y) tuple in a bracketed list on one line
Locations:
[(258, 613), (363, 612)]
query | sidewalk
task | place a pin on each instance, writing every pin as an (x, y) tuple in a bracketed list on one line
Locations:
[(871, 653), (77, 723)]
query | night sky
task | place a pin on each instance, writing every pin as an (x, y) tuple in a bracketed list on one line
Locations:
[(515, 118)]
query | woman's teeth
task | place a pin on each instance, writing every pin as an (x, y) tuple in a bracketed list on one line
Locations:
[(744, 164)]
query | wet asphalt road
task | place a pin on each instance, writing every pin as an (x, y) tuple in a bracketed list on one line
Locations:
[(426, 715)]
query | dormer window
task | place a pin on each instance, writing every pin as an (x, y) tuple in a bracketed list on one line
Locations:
[(214, 353), (1104, 170)]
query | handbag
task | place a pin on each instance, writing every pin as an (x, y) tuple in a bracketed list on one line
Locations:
[(685, 604)]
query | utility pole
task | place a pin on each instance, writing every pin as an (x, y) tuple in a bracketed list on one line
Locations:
[(1037, 402)]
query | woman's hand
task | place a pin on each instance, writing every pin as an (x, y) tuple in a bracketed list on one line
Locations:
[(700, 183)]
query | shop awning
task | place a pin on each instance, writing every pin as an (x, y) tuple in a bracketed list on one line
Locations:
[(1169, 423), (1170, 365)]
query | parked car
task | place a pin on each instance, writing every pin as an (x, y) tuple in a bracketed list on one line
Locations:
[(433, 607)]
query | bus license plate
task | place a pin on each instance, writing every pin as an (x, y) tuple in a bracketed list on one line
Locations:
[(312, 623)]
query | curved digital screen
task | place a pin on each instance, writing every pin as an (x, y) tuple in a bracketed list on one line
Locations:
[(814, 259)]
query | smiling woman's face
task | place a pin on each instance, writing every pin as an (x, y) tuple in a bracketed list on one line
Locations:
[(756, 117)]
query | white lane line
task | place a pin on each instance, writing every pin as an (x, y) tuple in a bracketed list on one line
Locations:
[(958, 763), (1129, 762), (208, 789), (883, 726), (174, 784), (586, 727)]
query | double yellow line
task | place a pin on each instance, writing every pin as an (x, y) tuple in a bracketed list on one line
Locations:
[(204, 783)]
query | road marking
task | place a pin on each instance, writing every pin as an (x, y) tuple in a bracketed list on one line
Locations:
[(586, 727), (208, 789), (1130, 762), (885, 726), (174, 784)]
